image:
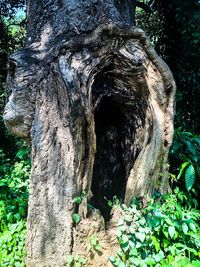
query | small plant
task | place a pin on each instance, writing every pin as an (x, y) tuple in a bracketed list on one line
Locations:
[(75, 261), (94, 243), (114, 202), (164, 233), (76, 218), (78, 200)]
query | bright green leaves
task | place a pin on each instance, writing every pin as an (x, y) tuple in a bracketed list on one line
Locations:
[(70, 260), (185, 228), (116, 262), (124, 239), (76, 261), (156, 243), (14, 188), (76, 218), (140, 236), (94, 242), (171, 231), (12, 245), (192, 227), (162, 234), (13, 207), (80, 198)]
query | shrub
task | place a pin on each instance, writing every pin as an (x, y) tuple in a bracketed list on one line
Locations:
[(13, 207), (164, 233)]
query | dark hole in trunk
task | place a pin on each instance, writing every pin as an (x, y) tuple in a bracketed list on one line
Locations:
[(109, 171), (119, 113)]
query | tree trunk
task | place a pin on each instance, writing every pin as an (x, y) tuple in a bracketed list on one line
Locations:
[(96, 103)]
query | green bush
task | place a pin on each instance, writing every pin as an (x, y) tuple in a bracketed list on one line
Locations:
[(12, 248), (13, 206), (164, 233)]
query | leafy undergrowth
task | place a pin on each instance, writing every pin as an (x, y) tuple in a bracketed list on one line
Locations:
[(185, 161), (165, 232), (13, 207)]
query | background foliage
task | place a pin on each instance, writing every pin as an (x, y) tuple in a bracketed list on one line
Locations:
[(174, 28)]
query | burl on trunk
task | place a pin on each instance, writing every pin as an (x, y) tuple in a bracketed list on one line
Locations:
[(96, 103)]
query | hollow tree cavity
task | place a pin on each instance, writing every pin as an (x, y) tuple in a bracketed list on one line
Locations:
[(119, 117)]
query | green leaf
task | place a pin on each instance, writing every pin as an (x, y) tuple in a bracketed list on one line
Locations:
[(183, 166), (185, 228), (158, 257), (125, 238), (169, 221), (192, 149), (70, 259), (125, 247), (140, 236), (3, 182), (155, 243), (110, 204), (112, 259), (132, 229), (122, 228), (150, 261), (133, 251), (77, 200), (171, 231), (136, 262), (76, 218), (121, 264), (165, 233), (131, 244), (97, 247), (166, 243), (192, 227), (94, 240), (121, 255), (128, 218), (189, 177)]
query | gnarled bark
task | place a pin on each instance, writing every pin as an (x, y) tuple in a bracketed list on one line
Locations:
[(96, 102)]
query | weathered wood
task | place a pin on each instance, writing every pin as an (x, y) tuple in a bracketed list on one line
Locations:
[(96, 103)]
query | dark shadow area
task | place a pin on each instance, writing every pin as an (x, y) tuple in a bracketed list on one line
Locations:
[(109, 172), (119, 115)]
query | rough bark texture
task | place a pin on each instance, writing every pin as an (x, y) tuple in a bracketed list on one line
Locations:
[(96, 103)]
